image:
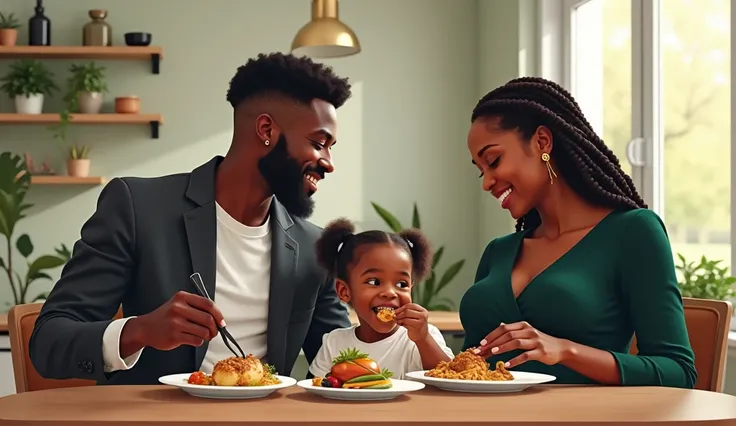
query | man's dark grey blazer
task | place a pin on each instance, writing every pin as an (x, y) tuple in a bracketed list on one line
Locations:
[(139, 248)]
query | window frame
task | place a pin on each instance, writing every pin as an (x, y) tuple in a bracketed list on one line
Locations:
[(555, 62)]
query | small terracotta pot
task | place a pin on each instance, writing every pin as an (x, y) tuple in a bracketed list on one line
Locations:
[(78, 168), (8, 37), (127, 105)]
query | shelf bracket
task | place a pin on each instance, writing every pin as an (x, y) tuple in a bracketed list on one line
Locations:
[(154, 129), (155, 63)]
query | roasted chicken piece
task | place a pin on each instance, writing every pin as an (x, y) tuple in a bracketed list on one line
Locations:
[(385, 314), (236, 371)]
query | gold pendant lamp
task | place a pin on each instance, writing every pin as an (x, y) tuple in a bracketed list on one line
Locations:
[(325, 36)]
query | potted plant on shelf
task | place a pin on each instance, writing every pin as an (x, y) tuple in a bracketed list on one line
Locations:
[(27, 83), (77, 163), (77, 156), (87, 87), (14, 183), (8, 29)]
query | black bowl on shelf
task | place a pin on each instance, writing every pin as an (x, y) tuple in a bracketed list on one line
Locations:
[(137, 39)]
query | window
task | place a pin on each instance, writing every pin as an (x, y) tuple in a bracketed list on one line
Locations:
[(654, 78)]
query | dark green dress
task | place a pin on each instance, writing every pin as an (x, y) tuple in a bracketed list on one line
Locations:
[(619, 279)]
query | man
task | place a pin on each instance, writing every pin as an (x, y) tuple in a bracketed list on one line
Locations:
[(239, 221)]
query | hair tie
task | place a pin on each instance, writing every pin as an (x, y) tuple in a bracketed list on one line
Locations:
[(411, 245), (339, 246)]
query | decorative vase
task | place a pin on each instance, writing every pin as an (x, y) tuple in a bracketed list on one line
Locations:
[(39, 27), (32, 104), (78, 167), (8, 37), (97, 32), (90, 102)]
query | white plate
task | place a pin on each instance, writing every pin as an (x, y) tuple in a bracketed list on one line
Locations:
[(399, 387), (522, 380), (225, 392)]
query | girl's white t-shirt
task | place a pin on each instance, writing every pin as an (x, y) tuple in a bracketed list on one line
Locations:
[(396, 352)]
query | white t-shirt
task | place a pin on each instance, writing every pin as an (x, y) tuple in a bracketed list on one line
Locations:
[(396, 352), (243, 281)]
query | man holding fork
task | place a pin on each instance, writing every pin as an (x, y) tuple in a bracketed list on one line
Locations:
[(238, 223)]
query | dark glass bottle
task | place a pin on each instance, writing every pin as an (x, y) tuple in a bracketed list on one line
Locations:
[(39, 27)]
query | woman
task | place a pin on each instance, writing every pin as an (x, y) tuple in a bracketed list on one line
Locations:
[(588, 265)]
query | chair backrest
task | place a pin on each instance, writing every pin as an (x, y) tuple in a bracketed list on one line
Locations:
[(21, 320), (708, 323)]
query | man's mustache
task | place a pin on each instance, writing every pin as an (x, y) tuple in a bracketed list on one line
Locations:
[(316, 168)]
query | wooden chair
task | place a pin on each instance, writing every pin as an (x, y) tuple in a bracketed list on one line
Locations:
[(708, 323), (21, 320)]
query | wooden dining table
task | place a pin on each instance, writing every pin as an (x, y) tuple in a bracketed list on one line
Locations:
[(552, 405)]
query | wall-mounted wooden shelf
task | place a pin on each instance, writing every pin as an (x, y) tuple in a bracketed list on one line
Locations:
[(66, 180), (153, 120), (120, 53)]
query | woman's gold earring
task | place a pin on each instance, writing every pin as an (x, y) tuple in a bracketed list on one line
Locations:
[(266, 142), (552, 174)]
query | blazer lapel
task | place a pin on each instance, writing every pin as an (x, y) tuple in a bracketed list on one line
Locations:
[(284, 255), (201, 229)]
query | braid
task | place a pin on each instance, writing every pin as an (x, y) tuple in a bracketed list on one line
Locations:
[(586, 163)]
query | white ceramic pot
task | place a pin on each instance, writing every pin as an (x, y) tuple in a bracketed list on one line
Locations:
[(32, 104), (78, 168), (90, 102)]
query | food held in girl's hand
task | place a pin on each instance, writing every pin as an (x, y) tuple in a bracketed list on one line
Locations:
[(385, 314), (353, 369), (236, 371)]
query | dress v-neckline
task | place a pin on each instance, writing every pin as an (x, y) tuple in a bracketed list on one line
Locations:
[(519, 246)]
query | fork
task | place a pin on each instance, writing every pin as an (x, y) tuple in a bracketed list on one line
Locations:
[(202, 290)]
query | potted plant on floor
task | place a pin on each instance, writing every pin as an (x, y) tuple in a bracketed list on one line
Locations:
[(8, 29), (14, 183), (77, 163), (87, 87), (27, 83)]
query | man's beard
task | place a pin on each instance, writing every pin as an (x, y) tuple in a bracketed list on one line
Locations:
[(286, 179)]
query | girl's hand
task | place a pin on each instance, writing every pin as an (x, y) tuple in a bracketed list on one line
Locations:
[(414, 318), (520, 335)]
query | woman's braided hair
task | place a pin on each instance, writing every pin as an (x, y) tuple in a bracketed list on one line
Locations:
[(584, 161)]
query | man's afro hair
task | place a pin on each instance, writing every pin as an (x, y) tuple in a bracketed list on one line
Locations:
[(298, 78)]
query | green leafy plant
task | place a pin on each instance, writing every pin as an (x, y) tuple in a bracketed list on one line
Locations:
[(8, 22), (14, 183), (426, 294), (705, 279), (86, 78), (28, 77)]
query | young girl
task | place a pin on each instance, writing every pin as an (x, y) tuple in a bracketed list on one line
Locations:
[(374, 272)]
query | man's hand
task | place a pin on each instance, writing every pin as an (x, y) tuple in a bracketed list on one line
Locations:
[(186, 319)]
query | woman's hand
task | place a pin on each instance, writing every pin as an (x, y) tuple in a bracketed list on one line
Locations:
[(415, 319), (520, 335)]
